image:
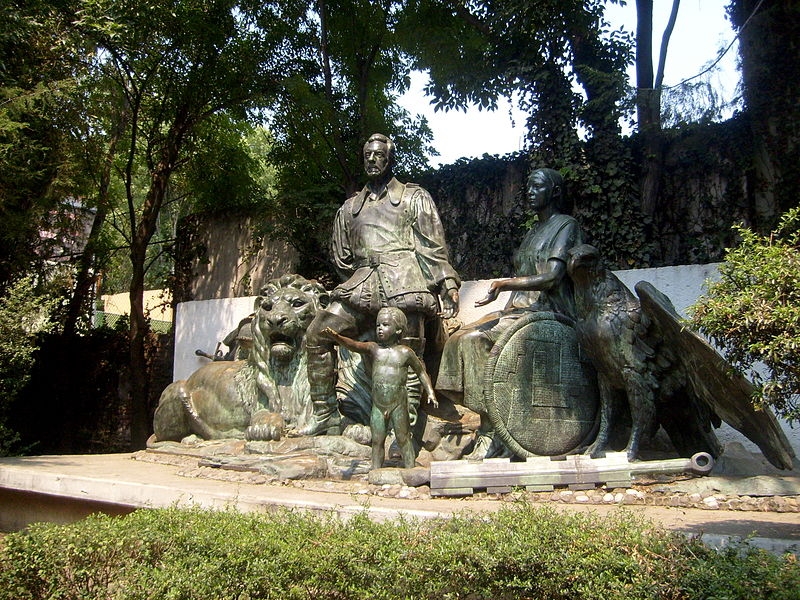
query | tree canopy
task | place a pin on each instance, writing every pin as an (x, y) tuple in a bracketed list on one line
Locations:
[(567, 67), (356, 67), (35, 118), (137, 111)]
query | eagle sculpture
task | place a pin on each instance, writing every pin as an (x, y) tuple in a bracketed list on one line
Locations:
[(668, 375)]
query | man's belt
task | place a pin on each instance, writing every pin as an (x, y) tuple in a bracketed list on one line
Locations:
[(375, 259)]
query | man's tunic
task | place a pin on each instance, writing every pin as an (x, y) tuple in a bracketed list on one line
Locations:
[(391, 250)]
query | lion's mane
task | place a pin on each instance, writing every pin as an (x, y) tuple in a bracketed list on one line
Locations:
[(258, 397), (281, 386)]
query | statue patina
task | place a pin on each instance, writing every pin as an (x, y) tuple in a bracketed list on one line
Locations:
[(531, 371), (667, 374), (391, 362), (540, 286), (262, 397), (388, 244), (239, 342)]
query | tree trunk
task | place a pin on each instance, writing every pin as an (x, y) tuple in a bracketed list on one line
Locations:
[(143, 233), (85, 278), (648, 101), (644, 62), (140, 388), (86, 275), (648, 108)]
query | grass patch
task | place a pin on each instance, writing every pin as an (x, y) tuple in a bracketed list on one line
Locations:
[(519, 552)]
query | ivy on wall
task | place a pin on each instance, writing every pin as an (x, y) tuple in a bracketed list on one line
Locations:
[(708, 186), (481, 204)]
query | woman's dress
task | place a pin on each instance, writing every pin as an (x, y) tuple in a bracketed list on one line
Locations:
[(461, 372)]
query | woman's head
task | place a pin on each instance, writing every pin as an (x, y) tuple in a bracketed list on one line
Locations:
[(546, 187)]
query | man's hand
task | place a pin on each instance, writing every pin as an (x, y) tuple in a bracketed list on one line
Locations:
[(449, 299), (328, 333)]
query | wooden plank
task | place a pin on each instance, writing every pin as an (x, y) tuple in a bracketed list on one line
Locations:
[(535, 474), (528, 479), (455, 491), (578, 487), (540, 488)]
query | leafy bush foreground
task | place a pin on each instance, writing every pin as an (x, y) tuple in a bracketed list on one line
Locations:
[(520, 552), (752, 312)]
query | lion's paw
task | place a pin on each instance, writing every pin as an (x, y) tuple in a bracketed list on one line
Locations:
[(265, 426), (358, 433)]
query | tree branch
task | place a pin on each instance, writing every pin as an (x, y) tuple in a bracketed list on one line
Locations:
[(662, 57)]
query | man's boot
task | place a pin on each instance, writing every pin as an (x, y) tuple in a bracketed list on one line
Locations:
[(322, 381)]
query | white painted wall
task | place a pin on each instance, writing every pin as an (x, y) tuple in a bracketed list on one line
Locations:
[(201, 324)]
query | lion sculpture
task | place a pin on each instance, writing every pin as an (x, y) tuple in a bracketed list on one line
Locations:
[(260, 398)]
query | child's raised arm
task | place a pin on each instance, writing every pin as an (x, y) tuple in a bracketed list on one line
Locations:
[(349, 343)]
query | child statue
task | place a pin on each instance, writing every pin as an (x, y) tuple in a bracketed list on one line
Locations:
[(390, 363)]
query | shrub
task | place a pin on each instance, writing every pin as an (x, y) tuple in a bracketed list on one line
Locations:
[(753, 312), (520, 552), (24, 316)]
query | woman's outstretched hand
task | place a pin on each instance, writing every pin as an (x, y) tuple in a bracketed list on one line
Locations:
[(491, 295)]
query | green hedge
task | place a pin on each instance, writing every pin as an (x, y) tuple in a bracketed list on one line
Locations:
[(520, 552)]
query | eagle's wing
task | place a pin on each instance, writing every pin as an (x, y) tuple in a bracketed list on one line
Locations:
[(622, 328), (713, 381)]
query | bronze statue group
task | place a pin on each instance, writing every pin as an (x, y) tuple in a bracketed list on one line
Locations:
[(553, 371)]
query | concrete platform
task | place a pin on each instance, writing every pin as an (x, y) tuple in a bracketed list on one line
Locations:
[(67, 488)]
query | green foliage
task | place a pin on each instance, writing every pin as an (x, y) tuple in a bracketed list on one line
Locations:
[(519, 552), (228, 174), (24, 316), (354, 68), (176, 73), (481, 203), (567, 69), (753, 312), (580, 136), (35, 82)]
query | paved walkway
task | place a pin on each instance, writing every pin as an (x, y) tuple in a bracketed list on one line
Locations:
[(65, 488)]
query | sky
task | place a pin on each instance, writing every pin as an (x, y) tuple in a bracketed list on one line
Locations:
[(701, 32)]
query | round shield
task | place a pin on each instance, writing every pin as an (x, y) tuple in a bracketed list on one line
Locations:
[(540, 391)]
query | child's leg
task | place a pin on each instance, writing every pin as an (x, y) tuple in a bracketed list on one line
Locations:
[(402, 433), (377, 423)]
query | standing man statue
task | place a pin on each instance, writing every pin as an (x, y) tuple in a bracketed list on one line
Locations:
[(389, 247)]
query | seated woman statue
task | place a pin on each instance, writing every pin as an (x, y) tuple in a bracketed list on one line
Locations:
[(540, 284)]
